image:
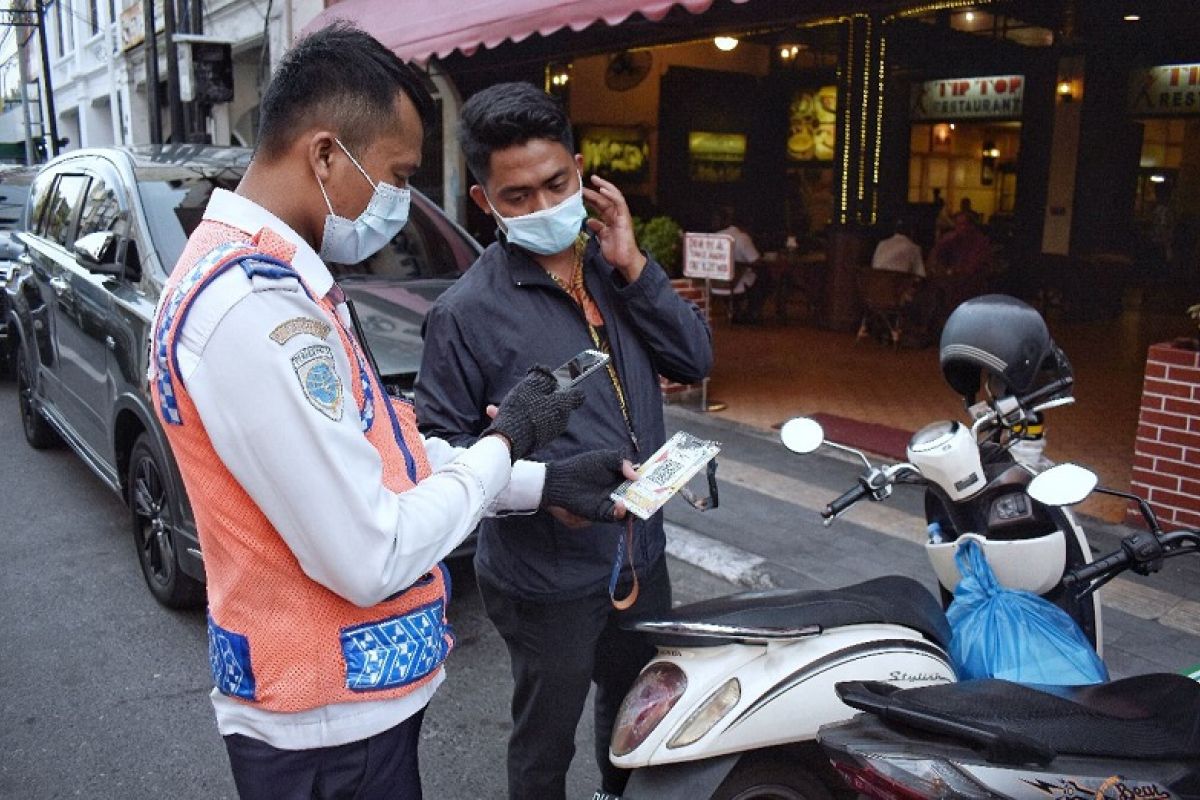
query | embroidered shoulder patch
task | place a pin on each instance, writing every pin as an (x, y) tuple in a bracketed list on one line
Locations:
[(319, 379), (287, 330)]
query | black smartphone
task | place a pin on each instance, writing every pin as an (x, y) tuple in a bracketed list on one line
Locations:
[(579, 367)]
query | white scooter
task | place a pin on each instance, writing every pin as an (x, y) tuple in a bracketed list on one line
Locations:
[(730, 705)]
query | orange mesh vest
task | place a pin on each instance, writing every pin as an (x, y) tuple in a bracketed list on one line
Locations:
[(277, 638)]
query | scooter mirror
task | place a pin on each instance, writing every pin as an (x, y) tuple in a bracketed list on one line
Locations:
[(802, 435), (1062, 485)]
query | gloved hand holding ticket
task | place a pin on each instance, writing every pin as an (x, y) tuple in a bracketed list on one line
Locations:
[(665, 473)]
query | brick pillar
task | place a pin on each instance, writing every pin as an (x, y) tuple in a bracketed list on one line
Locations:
[(693, 291), (1166, 452)]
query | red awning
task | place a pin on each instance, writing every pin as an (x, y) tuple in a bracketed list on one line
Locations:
[(418, 29)]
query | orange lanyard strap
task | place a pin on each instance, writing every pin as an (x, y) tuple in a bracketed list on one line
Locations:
[(624, 549)]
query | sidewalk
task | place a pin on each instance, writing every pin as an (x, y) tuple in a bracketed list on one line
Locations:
[(767, 533)]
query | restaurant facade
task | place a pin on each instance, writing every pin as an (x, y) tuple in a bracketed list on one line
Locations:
[(1072, 127)]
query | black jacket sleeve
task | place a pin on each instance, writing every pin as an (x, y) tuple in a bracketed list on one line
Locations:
[(674, 330), (449, 392)]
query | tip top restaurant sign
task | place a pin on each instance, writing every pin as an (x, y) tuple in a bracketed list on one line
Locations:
[(989, 97), (1168, 90)]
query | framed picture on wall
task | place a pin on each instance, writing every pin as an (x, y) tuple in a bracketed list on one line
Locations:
[(620, 154), (812, 124), (716, 157)]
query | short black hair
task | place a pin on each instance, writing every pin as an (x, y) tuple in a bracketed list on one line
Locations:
[(509, 114), (342, 77)]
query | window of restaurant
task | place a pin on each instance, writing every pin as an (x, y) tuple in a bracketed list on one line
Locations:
[(1165, 105), (964, 147)]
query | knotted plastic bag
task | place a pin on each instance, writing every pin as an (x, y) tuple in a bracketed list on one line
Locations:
[(1012, 634)]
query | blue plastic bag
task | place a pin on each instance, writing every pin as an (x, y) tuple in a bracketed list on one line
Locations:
[(1012, 634)]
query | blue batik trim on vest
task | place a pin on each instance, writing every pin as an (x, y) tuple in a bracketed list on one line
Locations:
[(367, 410), (169, 407), (410, 463), (229, 659), (397, 651)]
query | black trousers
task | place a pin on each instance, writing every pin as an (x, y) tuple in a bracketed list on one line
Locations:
[(381, 767), (557, 650)]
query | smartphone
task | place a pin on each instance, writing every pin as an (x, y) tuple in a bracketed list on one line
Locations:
[(579, 367)]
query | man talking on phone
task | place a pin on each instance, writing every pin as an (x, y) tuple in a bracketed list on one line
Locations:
[(553, 286)]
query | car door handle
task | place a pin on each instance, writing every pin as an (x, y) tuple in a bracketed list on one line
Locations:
[(59, 285)]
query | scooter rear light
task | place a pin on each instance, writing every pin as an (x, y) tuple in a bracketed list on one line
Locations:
[(653, 695), (711, 711), (890, 777)]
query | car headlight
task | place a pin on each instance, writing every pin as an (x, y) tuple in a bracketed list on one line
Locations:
[(650, 699), (710, 712)]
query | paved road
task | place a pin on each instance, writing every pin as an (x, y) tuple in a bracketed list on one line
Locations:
[(105, 693)]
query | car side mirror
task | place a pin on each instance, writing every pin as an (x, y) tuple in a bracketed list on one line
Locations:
[(98, 252)]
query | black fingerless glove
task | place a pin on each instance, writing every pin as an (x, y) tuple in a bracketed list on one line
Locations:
[(534, 412), (582, 484)]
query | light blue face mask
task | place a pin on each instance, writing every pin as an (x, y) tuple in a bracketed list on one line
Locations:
[(548, 231), (347, 241)]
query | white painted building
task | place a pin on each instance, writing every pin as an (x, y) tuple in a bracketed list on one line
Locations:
[(98, 66)]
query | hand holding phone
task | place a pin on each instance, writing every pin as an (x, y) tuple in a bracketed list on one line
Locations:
[(579, 367)]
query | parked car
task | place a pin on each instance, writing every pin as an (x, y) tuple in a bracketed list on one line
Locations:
[(14, 190), (105, 227)]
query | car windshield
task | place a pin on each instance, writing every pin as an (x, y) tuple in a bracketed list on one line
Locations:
[(174, 199)]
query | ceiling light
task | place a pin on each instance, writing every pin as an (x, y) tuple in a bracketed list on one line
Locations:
[(1158, 179), (969, 16), (725, 43), (1132, 17)]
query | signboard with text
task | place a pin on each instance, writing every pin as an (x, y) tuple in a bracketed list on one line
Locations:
[(989, 97), (708, 256), (1169, 90)]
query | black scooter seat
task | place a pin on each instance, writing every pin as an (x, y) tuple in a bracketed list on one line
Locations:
[(1150, 717), (892, 600)]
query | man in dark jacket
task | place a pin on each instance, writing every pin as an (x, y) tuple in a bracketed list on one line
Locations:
[(548, 289)]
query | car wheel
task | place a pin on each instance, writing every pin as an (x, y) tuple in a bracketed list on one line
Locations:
[(151, 509), (38, 431)]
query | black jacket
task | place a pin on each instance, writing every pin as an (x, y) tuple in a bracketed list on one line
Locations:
[(505, 315)]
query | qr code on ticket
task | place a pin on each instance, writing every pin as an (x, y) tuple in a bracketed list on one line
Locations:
[(665, 473)]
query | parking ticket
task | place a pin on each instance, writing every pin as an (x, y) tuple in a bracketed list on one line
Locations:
[(665, 473)]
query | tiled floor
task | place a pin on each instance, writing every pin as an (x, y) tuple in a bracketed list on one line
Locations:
[(775, 371)]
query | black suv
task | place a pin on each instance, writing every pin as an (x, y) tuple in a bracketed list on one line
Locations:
[(105, 227)]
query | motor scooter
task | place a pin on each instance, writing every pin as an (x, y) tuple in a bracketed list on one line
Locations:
[(730, 705), (989, 739)]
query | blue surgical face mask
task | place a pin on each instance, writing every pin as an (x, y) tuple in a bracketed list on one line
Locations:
[(347, 241), (548, 231)]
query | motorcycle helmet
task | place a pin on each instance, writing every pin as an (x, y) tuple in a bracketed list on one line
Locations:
[(1001, 342)]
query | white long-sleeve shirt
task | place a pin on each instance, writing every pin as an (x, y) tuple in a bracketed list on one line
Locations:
[(311, 471)]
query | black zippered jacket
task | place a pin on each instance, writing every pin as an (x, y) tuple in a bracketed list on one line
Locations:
[(506, 314)]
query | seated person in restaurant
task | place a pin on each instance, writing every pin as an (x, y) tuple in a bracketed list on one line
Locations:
[(899, 253), (751, 283), (964, 251)]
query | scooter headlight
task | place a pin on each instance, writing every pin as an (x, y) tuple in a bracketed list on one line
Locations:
[(653, 695), (710, 712)]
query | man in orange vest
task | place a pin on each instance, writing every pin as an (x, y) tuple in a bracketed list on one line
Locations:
[(322, 512)]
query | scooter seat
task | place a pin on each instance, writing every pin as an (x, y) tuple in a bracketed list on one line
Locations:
[(893, 599), (1150, 717)]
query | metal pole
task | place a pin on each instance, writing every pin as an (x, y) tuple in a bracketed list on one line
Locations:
[(23, 70), (152, 107), (47, 82), (178, 129)]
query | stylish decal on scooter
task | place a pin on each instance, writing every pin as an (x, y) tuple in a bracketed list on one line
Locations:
[(897, 676), (1115, 788)]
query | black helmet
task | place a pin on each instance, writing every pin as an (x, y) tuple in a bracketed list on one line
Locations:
[(999, 337)]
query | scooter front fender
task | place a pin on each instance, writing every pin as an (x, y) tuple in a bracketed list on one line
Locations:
[(688, 780)]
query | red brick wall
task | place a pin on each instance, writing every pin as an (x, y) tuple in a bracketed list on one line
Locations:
[(1166, 453), (692, 290)]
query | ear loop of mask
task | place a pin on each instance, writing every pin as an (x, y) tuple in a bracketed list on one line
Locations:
[(353, 161)]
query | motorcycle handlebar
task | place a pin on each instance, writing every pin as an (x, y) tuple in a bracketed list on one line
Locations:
[(1089, 572), (847, 499)]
